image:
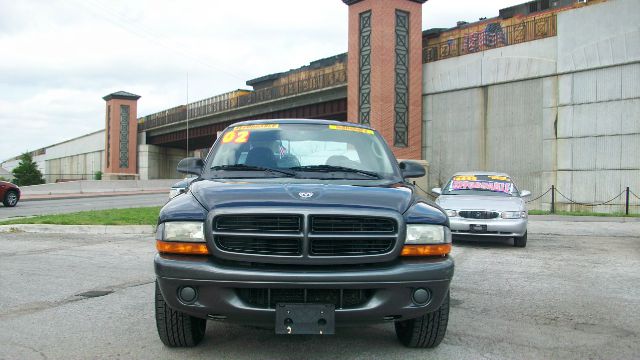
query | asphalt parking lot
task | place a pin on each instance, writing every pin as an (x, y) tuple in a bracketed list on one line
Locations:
[(572, 293)]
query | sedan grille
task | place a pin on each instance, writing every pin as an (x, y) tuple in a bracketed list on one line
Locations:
[(476, 214)]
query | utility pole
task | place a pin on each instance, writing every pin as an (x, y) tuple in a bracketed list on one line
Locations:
[(187, 114)]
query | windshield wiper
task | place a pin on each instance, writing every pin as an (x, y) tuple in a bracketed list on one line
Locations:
[(243, 167), (332, 168)]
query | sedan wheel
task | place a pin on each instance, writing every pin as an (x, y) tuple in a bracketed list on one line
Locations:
[(11, 199)]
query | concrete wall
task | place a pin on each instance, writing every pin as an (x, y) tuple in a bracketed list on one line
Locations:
[(561, 110), (155, 162)]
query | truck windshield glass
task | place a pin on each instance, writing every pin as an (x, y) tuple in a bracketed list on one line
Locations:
[(306, 150), (490, 185)]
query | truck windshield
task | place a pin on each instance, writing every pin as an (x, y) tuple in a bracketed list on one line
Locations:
[(489, 185), (301, 150)]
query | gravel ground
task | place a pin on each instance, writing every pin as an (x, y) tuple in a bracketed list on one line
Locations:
[(572, 293)]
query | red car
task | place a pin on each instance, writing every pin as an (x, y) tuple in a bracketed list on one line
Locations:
[(9, 193)]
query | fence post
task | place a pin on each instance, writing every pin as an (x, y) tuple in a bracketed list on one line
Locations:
[(626, 203), (553, 199)]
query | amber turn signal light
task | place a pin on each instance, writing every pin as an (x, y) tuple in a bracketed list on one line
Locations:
[(426, 250), (171, 247)]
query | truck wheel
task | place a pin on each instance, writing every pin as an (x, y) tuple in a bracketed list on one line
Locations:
[(426, 331), (10, 199), (175, 328), (520, 241)]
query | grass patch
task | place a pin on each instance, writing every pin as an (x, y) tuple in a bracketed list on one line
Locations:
[(132, 216), (580, 213)]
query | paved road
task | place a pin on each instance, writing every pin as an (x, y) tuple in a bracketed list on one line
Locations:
[(573, 293), (58, 206)]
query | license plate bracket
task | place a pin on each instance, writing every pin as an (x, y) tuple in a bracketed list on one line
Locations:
[(478, 228), (305, 319)]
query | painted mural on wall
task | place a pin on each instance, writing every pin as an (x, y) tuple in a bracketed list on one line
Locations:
[(494, 33)]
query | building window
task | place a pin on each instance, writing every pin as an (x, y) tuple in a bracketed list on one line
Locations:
[(364, 81), (124, 136), (401, 106), (108, 135)]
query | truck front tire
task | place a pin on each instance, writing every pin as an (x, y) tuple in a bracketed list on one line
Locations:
[(426, 331), (175, 328)]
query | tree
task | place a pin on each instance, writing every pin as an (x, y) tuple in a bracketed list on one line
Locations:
[(27, 172)]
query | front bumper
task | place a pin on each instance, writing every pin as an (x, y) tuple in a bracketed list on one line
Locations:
[(391, 286), (495, 227)]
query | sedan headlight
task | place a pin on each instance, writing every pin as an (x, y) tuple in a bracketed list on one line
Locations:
[(427, 234), (514, 214), (451, 213)]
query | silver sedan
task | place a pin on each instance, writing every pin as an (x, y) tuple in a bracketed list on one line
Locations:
[(485, 204)]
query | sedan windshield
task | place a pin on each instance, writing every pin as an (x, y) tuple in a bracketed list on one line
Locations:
[(306, 151), (487, 185)]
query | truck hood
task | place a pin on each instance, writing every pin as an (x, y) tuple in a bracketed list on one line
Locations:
[(226, 194), (475, 202)]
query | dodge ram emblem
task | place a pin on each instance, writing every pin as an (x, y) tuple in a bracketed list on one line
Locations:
[(305, 195)]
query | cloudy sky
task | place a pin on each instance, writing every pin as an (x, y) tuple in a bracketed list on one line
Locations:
[(58, 58)]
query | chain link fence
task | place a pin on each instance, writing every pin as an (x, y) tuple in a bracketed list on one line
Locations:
[(626, 202)]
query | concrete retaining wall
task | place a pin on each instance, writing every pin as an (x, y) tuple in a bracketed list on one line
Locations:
[(561, 110), (99, 186)]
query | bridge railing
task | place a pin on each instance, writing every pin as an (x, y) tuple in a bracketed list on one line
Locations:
[(242, 99), (493, 36)]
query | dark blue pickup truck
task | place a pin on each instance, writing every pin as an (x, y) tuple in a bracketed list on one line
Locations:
[(302, 226)]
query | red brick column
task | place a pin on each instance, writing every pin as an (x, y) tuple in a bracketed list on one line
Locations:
[(383, 76), (121, 136)]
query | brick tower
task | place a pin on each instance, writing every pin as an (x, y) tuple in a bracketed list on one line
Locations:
[(121, 131), (385, 71)]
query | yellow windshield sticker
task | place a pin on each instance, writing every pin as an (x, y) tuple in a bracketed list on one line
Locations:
[(256, 126), (351, 128), (465, 178), (501, 178), (238, 137)]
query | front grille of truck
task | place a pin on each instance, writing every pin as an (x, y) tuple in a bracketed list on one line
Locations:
[(254, 245), (340, 298), (310, 238), (346, 247), (352, 224), (478, 214), (259, 223)]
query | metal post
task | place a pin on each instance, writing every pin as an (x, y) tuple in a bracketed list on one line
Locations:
[(187, 114), (626, 203), (553, 199)]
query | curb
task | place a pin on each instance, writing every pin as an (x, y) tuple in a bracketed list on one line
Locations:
[(80, 229), (87, 195)]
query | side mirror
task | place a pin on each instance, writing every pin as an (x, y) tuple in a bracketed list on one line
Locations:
[(191, 165), (437, 191), (525, 193), (411, 169)]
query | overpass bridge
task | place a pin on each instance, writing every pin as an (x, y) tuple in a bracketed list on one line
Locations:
[(316, 91)]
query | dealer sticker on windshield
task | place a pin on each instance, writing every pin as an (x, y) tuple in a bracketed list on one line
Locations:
[(351, 128), (482, 182), (256, 126)]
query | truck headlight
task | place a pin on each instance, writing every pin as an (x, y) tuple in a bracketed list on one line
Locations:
[(514, 214), (451, 213), (181, 237), (427, 240)]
